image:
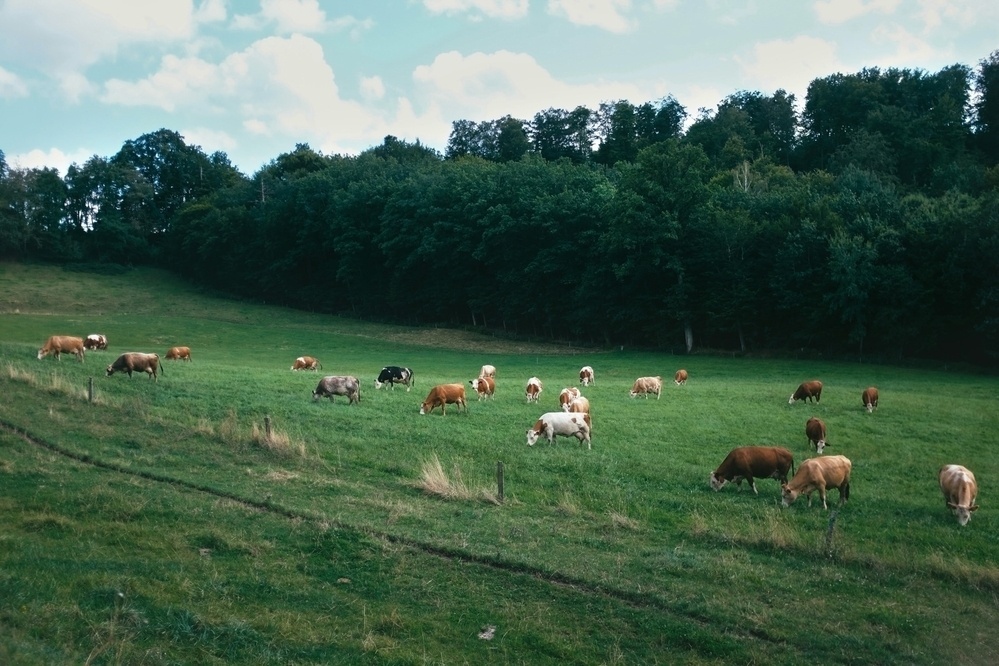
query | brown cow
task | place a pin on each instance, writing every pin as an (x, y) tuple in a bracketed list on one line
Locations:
[(484, 387), (579, 405), (62, 344), (307, 363), (586, 375), (819, 474), (869, 398), (680, 377), (567, 395), (751, 463), (646, 385), (136, 362), (533, 389), (959, 490), (179, 354), (443, 395), (815, 431), (807, 391), (95, 341)]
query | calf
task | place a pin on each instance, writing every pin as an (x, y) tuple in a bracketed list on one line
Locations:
[(807, 391), (553, 424), (680, 377), (136, 362), (586, 375), (95, 341), (487, 371), (819, 474), (62, 344), (178, 354), (484, 387), (307, 363), (815, 431), (960, 490), (533, 389), (751, 463), (394, 374), (334, 385), (646, 385), (443, 395), (869, 398), (566, 396)]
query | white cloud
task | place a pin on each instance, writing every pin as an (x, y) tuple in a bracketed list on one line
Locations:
[(210, 11), (835, 12), (11, 85), (210, 140), (504, 9), (605, 14), (909, 50), (50, 159), (964, 13), (74, 86), (178, 81), (666, 5), (294, 15), (789, 65), (372, 87)]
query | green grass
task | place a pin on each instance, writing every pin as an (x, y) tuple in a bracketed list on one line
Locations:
[(159, 525)]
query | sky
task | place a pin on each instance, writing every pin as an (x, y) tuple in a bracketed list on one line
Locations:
[(254, 78)]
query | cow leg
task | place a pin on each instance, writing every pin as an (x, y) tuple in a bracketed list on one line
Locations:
[(752, 484)]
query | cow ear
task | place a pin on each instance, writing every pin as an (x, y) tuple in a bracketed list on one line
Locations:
[(951, 505), (974, 507)]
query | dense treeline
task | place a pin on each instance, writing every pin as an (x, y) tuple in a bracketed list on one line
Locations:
[(868, 224)]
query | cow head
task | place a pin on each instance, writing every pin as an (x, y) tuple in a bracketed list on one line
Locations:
[(820, 446), (962, 513), (110, 370), (787, 496), (424, 407), (532, 436), (716, 482)]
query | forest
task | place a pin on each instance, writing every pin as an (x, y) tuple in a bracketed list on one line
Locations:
[(862, 223)]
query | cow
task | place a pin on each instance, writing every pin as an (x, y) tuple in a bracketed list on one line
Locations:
[(484, 387), (959, 490), (579, 405), (680, 377), (533, 389), (394, 374), (62, 344), (819, 474), (553, 424), (567, 395), (178, 354), (751, 463), (488, 371), (815, 431), (807, 391), (334, 385), (137, 362), (443, 395), (307, 363), (869, 398), (646, 385), (586, 375), (95, 341)]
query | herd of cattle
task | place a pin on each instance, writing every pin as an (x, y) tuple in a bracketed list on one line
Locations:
[(818, 474)]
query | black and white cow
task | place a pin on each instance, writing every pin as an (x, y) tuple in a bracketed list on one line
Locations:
[(394, 374)]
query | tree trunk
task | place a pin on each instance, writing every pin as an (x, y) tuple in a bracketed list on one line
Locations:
[(688, 335)]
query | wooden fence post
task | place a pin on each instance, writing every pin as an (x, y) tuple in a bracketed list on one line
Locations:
[(499, 480), (267, 428), (90, 390)]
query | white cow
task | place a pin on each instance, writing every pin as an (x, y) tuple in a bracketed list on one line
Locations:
[(553, 424)]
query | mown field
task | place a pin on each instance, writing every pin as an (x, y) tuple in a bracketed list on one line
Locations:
[(159, 524)]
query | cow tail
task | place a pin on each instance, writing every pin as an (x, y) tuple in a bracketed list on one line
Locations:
[(159, 365), (846, 491), (320, 365)]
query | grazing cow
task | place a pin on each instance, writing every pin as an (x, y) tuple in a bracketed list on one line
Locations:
[(62, 344), (815, 431), (307, 363), (646, 385), (807, 391), (443, 395), (488, 371), (334, 385), (819, 474), (394, 374), (179, 354), (870, 399), (137, 362), (959, 490), (533, 389), (552, 424), (567, 395), (579, 405), (751, 463), (680, 377), (95, 341), (484, 387), (586, 375)]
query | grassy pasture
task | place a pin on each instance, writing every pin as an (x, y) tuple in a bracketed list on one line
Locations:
[(158, 525)]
